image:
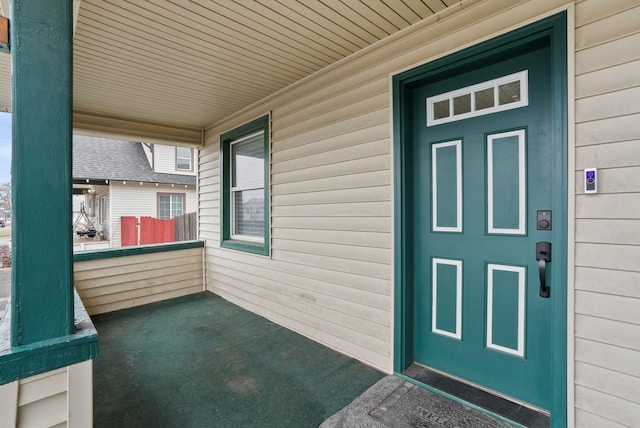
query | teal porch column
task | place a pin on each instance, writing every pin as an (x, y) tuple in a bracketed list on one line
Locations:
[(42, 271)]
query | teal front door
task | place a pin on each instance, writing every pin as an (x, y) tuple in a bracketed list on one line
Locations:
[(482, 199)]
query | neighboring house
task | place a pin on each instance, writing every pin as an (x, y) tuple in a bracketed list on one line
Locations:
[(126, 178)]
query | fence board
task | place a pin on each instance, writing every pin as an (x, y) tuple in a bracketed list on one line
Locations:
[(186, 227), (154, 231), (128, 231)]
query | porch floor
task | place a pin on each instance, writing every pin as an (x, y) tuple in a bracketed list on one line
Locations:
[(200, 361)]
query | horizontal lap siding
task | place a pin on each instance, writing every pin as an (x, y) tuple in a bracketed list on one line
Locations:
[(61, 397), (330, 268), (607, 298), (330, 272), (209, 194), (42, 399), (121, 282)]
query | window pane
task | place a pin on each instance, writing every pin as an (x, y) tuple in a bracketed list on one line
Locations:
[(509, 93), (176, 205), (441, 109), (164, 206), (247, 162), (183, 158), (484, 99), (462, 104), (248, 215)]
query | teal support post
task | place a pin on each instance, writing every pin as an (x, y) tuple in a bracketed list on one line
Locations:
[(42, 270)]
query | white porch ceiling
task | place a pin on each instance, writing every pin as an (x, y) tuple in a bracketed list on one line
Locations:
[(188, 64)]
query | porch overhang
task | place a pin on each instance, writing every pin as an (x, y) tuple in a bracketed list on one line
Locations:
[(162, 73)]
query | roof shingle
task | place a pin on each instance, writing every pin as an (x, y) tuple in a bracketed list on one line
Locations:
[(104, 159)]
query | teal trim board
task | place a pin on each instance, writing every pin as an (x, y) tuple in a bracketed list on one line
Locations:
[(136, 251), (42, 275), (43, 334), (23, 361), (495, 329)]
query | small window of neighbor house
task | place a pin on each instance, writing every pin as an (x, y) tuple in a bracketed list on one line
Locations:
[(170, 205), (102, 210), (184, 161), (245, 187)]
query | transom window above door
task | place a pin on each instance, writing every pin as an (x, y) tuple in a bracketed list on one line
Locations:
[(503, 93)]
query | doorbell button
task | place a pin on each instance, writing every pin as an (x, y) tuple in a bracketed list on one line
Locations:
[(591, 180)]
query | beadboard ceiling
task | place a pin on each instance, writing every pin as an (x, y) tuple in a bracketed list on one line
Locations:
[(192, 63)]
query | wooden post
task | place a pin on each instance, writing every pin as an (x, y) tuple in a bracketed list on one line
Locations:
[(42, 271)]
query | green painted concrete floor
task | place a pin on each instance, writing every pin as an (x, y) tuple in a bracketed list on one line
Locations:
[(200, 361)]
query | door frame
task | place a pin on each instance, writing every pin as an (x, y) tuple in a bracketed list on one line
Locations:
[(551, 31)]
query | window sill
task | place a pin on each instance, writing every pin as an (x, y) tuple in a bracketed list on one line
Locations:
[(259, 248), (23, 361)]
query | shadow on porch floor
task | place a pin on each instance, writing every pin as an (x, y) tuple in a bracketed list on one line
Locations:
[(200, 361)]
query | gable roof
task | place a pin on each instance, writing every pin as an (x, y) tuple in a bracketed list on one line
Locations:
[(106, 159)]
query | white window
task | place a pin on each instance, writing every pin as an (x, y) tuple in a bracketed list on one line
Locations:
[(184, 159), (102, 210), (247, 187), (170, 205), (504, 93)]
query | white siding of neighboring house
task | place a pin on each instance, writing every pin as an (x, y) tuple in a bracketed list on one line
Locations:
[(164, 160), (133, 199), (330, 273)]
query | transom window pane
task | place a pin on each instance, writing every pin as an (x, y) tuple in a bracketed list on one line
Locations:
[(509, 93), (441, 109), (484, 99), (462, 104)]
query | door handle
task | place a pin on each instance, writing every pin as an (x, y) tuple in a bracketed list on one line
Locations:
[(543, 255)]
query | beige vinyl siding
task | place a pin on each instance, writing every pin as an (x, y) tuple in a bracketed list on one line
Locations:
[(607, 297), (132, 199), (209, 195), (330, 273), (61, 397), (164, 160), (111, 284)]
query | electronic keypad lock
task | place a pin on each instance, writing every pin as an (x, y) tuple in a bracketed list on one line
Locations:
[(543, 219)]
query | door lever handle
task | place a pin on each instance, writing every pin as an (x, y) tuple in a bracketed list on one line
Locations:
[(543, 255)]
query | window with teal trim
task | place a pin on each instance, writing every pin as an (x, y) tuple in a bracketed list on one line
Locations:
[(245, 187)]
